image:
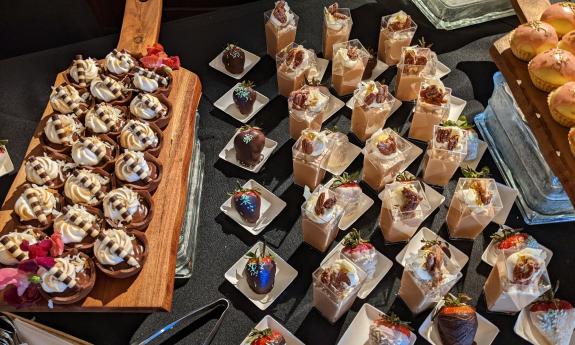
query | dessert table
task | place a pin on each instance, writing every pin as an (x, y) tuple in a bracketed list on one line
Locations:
[(220, 241)]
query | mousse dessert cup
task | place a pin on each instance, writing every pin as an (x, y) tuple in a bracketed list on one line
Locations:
[(475, 203), (429, 274), (295, 64), (87, 186), (396, 32), (280, 26), (307, 109), (384, 157), (310, 154), (335, 287), (348, 65), (445, 152), (37, 207), (106, 119), (76, 224), (48, 169), (138, 170), (416, 64), (431, 109), (81, 72), (404, 207), (131, 209), (60, 133), (337, 24), (372, 107), (516, 280), (119, 253), (11, 253), (321, 214)]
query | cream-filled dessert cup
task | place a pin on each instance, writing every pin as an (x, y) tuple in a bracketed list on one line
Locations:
[(337, 24), (396, 32), (307, 109), (475, 203), (348, 64), (404, 207), (444, 154), (294, 65), (383, 158), (415, 65), (516, 280), (310, 153), (372, 106), (429, 274), (335, 287), (320, 218), (280, 27), (431, 109)]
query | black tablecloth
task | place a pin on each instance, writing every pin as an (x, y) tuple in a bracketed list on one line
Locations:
[(24, 89)]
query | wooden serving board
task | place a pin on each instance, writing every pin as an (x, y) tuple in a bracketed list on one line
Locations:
[(551, 137), (152, 289)]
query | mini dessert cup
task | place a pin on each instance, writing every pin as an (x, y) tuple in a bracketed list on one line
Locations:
[(138, 171), (87, 186), (151, 108), (141, 136), (119, 63), (337, 25), (157, 80), (280, 26), (444, 154), (372, 107), (310, 154), (475, 203), (348, 65), (75, 225), (404, 207), (111, 90), (124, 207), (396, 32), (81, 72), (66, 99), (49, 169), (307, 109), (384, 157), (431, 109), (105, 119), (507, 241), (36, 207), (320, 218), (60, 132), (336, 284), (415, 65), (95, 152), (76, 266), (134, 243), (293, 64), (516, 280), (10, 242)]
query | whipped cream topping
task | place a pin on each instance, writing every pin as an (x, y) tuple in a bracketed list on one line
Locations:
[(144, 83), (60, 128), (296, 60), (451, 138), (90, 70), (342, 58), (69, 265), (282, 16), (372, 94), (131, 166), (313, 143), (318, 213), (90, 151), (42, 169), (70, 232), (126, 198), (399, 21), (316, 101), (525, 266), (340, 277), (138, 136), (105, 255), (398, 198), (384, 146), (119, 62), (104, 118), (430, 267), (106, 89), (59, 104), (335, 20), (47, 203), (308, 99), (6, 258), (76, 191), (147, 107)]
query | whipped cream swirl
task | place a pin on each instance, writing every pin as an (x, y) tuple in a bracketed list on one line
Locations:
[(47, 201), (97, 124), (101, 91), (70, 232), (127, 198), (282, 16), (75, 191), (84, 156), (147, 107), (144, 83), (138, 136), (43, 169), (90, 70), (58, 103), (60, 129), (127, 172), (17, 237), (118, 62), (69, 265), (107, 257)]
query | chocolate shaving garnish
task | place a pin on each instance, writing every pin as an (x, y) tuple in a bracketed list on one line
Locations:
[(280, 12), (319, 208), (524, 269), (484, 196), (306, 146), (387, 147), (398, 25), (299, 99), (433, 94), (411, 198), (352, 52)]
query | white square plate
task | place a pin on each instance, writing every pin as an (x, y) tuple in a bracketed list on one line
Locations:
[(270, 322), (457, 256), (270, 208), (251, 61), (334, 105), (456, 106), (229, 154), (337, 167), (480, 152), (526, 330), (486, 331), (285, 274), (383, 266), (441, 70), (227, 105), (379, 68), (358, 331), (396, 104), (490, 257), (365, 202)]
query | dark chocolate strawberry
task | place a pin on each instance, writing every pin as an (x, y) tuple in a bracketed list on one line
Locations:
[(244, 97), (233, 59), (267, 336), (260, 271), (457, 321), (248, 203), (371, 63), (249, 143)]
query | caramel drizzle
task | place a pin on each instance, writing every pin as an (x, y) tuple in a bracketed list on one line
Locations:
[(157, 109), (119, 206), (152, 75), (32, 198), (13, 248), (39, 169), (135, 167), (86, 183), (63, 95)]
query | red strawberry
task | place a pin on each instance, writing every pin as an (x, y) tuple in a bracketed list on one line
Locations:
[(457, 321), (554, 304), (353, 243), (509, 238), (247, 202), (392, 321), (266, 337), (552, 317)]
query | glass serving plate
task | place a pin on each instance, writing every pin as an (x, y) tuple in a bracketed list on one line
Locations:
[(514, 148), (454, 14)]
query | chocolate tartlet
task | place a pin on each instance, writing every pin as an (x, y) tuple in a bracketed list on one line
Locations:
[(249, 143), (141, 136), (95, 152), (110, 90), (70, 280), (260, 271), (138, 170), (151, 108), (77, 225), (106, 119), (370, 65), (233, 59), (120, 254), (87, 186), (11, 252), (66, 99), (49, 170), (81, 72), (60, 132), (124, 207), (457, 321), (157, 81), (36, 207), (244, 97), (119, 63)]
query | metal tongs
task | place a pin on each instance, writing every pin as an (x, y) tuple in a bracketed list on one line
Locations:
[(222, 302)]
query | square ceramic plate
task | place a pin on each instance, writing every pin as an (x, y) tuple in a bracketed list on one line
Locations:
[(251, 61), (270, 322), (227, 105), (480, 152), (337, 166), (285, 274), (321, 67), (334, 105), (456, 106), (490, 257), (270, 208), (526, 330), (486, 331), (383, 266), (358, 331), (379, 68), (396, 104), (458, 257), (441, 70), (229, 154), (365, 202)]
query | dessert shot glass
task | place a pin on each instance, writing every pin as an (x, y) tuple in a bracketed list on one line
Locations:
[(348, 65), (396, 32)]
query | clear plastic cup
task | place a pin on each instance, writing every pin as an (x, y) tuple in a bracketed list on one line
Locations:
[(335, 31), (311, 113), (309, 167), (367, 119), (320, 230), (278, 35), (426, 115), (440, 163), (348, 64), (289, 76), (415, 65), (392, 41)]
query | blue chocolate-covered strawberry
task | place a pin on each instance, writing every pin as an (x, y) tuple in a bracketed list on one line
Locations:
[(260, 271), (248, 203)]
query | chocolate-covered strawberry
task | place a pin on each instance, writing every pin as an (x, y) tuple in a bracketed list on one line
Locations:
[(371, 63), (347, 189), (389, 329), (456, 321), (249, 143), (244, 97), (260, 271), (554, 318), (233, 59), (360, 251), (248, 203), (267, 336)]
